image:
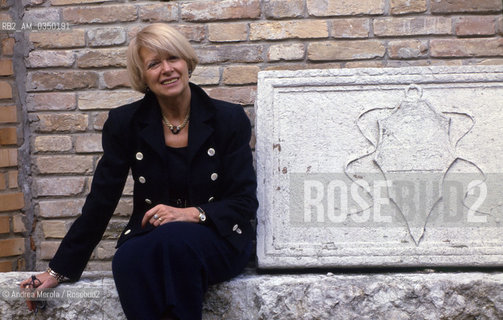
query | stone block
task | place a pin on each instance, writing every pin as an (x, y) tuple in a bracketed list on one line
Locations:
[(415, 26), (239, 75), (8, 136), (51, 101), (221, 10), (43, 59), (351, 28), (476, 26), (61, 80), (55, 228), (466, 47), (100, 14), (49, 40), (56, 164), (18, 225), (322, 8), (116, 79), (206, 75), (102, 58), (456, 295), (60, 122), (12, 176), (106, 36), (99, 100), (158, 12), (240, 95), (61, 186), (227, 32), (230, 53), (345, 50), (286, 51), (5, 90), (6, 67), (294, 29), (8, 46), (88, 143), (5, 224), (380, 167), (8, 157), (60, 208), (284, 8), (463, 6), (11, 247), (52, 143), (407, 49), (407, 6), (66, 2)]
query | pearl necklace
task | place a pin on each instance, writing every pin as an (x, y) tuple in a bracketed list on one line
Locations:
[(178, 128)]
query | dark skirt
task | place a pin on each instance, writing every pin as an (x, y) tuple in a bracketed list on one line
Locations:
[(167, 271)]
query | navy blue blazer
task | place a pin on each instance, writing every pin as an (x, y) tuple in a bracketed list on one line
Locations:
[(221, 179)]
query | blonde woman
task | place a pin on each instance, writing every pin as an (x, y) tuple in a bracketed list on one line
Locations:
[(194, 188)]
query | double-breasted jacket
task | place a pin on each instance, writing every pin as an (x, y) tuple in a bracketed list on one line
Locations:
[(221, 178)]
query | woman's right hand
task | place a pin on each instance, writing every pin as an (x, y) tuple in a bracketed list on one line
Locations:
[(45, 281)]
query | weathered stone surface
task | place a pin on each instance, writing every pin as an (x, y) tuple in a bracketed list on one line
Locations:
[(106, 99), (88, 143), (52, 143), (227, 32), (106, 36), (407, 6), (158, 12), (466, 47), (229, 53), (407, 49), (309, 296), (42, 59), (61, 80), (58, 122), (51, 101), (470, 25), (57, 164), (72, 39), (222, 10), (286, 51), (60, 208), (345, 50), (451, 6), (351, 28), (343, 8), (284, 8), (412, 26), (295, 29), (235, 75), (206, 75), (102, 58), (63, 186), (100, 14), (380, 167), (116, 79)]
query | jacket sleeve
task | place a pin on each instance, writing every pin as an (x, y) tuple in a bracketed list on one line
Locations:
[(237, 205), (108, 183)]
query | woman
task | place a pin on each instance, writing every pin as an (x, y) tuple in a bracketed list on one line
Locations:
[(194, 188)]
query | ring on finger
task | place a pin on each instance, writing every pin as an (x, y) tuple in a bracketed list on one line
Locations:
[(160, 219), (156, 216)]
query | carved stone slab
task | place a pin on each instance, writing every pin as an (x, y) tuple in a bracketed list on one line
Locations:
[(380, 167)]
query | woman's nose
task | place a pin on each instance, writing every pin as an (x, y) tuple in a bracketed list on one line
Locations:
[(166, 66)]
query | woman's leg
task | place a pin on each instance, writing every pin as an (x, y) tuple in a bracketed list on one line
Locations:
[(171, 267)]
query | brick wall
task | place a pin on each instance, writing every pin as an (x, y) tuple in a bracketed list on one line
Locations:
[(12, 226), (74, 77)]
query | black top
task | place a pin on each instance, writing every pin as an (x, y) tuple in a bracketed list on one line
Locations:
[(178, 172)]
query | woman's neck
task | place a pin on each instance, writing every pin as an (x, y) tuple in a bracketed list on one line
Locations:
[(175, 108)]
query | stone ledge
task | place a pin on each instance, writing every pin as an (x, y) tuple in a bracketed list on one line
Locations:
[(460, 295)]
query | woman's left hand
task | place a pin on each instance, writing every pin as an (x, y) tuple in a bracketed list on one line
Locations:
[(161, 214)]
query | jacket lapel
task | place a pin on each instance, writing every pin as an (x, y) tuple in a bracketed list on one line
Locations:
[(201, 112), (151, 130)]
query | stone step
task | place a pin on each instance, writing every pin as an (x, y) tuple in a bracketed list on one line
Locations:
[(438, 295)]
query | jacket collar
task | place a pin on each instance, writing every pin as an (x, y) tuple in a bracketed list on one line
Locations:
[(200, 129)]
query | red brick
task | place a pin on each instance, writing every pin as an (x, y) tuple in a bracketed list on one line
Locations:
[(6, 67), (100, 14), (407, 6), (345, 50), (4, 224), (8, 136), (462, 6), (386, 27), (294, 29), (323, 8), (61, 122), (61, 80), (476, 25), (8, 114), (8, 158), (8, 46), (12, 175), (220, 10), (240, 95), (3, 184), (6, 266), (351, 28), (5, 90), (228, 53), (157, 12), (11, 201), (407, 49), (12, 247), (284, 8), (466, 47)]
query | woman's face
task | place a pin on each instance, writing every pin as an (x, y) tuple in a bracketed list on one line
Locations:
[(167, 77)]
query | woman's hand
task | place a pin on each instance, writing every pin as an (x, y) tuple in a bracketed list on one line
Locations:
[(161, 214), (43, 281)]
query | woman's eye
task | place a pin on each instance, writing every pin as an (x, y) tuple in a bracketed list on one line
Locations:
[(152, 64), (173, 58)]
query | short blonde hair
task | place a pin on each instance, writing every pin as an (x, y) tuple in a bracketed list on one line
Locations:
[(164, 41)]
